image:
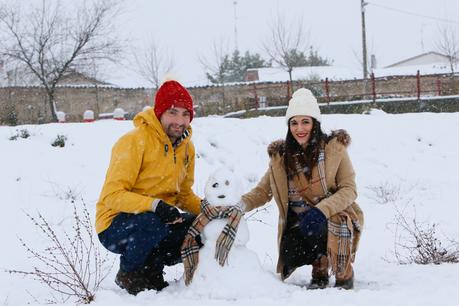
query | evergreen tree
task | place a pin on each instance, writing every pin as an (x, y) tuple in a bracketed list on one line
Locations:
[(296, 58), (233, 67), (314, 59)]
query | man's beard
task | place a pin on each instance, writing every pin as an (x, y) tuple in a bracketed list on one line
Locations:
[(173, 132)]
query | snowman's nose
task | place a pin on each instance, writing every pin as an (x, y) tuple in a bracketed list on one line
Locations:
[(222, 196)]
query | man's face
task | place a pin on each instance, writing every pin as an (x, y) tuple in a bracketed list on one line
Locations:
[(174, 122)]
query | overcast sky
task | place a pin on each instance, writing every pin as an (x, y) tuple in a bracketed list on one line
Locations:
[(395, 29)]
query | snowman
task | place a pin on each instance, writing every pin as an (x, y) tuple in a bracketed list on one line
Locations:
[(242, 275), (223, 189)]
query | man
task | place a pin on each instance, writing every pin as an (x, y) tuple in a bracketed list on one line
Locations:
[(151, 173)]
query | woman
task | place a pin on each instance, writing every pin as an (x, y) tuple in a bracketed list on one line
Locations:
[(311, 179)]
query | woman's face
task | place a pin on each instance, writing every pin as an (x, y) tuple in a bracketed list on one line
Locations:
[(301, 128)]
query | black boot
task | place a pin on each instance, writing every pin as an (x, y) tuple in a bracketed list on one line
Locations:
[(320, 276), (318, 283), (133, 282), (155, 279)]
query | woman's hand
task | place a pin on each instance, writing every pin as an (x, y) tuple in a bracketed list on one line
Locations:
[(313, 222)]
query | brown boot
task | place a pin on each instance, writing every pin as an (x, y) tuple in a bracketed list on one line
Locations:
[(346, 282), (320, 276), (133, 282)]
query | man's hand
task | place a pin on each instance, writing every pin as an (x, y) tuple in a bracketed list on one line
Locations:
[(168, 213)]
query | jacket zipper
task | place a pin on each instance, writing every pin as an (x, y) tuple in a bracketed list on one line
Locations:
[(166, 149)]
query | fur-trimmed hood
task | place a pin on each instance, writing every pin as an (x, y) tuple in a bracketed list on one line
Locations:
[(278, 146)]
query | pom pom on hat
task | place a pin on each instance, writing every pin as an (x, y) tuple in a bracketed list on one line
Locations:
[(303, 103), (172, 94)]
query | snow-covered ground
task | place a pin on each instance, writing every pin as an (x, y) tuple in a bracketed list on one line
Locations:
[(414, 156)]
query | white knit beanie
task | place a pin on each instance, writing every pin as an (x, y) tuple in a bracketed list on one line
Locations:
[(303, 103)]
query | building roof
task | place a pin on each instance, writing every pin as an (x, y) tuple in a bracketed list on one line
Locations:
[(417, 57), (275, 74), (74, 77)]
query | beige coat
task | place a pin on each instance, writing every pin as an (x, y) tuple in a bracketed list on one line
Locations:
[(339, 175)]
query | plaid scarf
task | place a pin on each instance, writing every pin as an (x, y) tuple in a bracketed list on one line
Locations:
[(190, 247), (343, 228)]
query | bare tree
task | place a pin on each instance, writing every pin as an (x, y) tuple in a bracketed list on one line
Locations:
[(285, 43), (153, 63), (50, 40), (216, 65), (448, 44)]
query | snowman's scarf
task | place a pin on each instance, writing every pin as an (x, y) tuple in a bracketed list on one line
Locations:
[(190, 247)]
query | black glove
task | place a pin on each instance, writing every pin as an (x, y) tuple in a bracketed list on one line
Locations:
[(167, 213), (313, 222)]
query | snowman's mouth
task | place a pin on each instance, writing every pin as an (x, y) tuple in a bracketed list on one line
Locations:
[(221, 196)]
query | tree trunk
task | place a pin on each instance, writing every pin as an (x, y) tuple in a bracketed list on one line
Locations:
[(291, 82), (50, 94)]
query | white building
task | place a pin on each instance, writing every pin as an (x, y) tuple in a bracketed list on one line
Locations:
[(428, 58), (277, 74)]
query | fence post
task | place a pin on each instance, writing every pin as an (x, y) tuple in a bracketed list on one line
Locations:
[(438, 86), (256, 96), (418, 85), (373, 87), (327, 91)]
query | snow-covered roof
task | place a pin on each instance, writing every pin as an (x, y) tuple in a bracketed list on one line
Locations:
[(276, 74), (335, 73), (434, 68), (427, 58)]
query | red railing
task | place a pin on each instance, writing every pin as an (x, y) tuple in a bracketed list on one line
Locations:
[(376, 88), (244, 96)]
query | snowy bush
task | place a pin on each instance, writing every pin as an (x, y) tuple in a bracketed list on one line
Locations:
[(385, 193), (59, 141), (70, 264), (23, 133), (374, 111), (419, 243), (12, 117)]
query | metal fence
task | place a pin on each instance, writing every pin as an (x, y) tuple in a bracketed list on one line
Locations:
[(260, 95)]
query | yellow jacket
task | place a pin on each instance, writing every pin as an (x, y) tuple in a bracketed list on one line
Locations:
[(144, 166)]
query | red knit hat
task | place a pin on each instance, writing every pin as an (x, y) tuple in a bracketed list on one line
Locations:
[(172, 94)]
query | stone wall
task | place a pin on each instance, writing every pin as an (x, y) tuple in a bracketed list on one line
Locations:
[(29, 104), (20, 105)]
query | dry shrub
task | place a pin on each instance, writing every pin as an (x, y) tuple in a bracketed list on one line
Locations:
[(71, 263), (419, 242)]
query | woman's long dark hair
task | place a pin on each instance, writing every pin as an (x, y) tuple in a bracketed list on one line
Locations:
[(306, 157)]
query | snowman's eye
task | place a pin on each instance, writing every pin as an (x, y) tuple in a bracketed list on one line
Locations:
[(215, 185), (226, 183)]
